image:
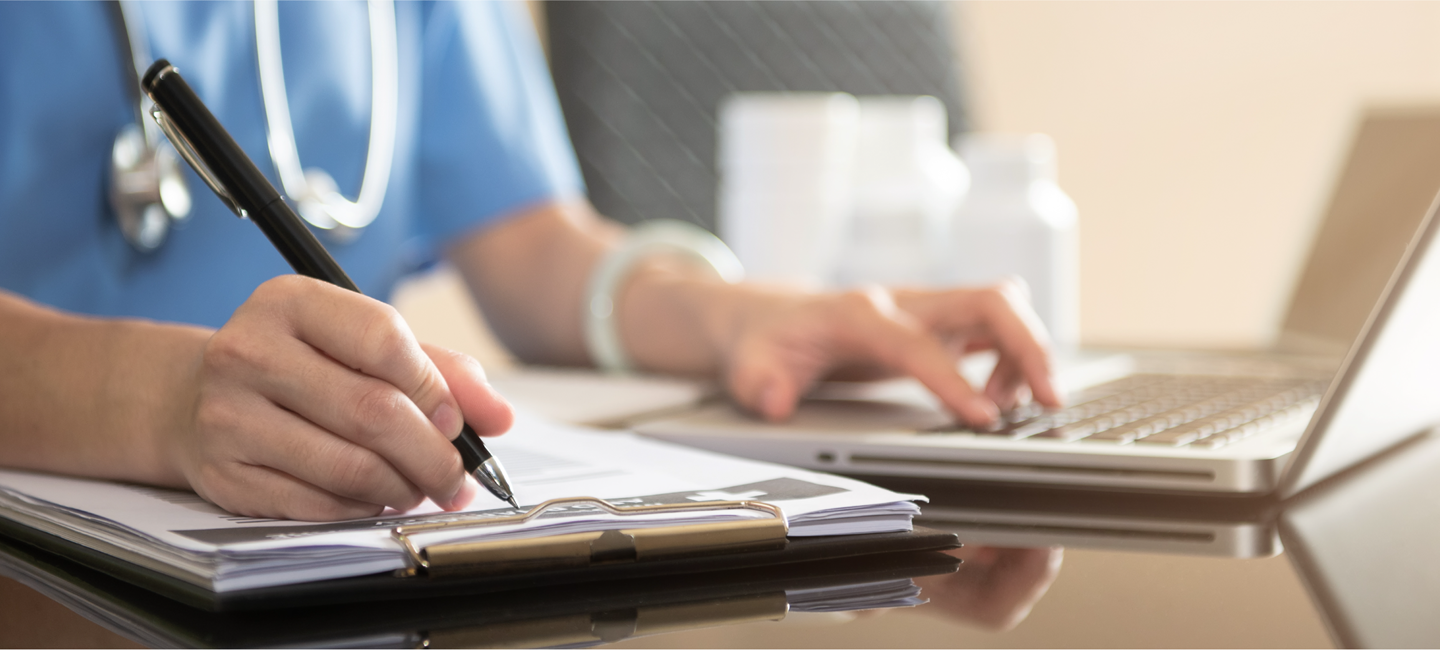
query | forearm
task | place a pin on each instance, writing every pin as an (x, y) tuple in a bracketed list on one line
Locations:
[(91, 397), (677, 317), (530, 276)]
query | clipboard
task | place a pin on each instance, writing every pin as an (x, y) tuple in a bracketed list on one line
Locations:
[(487, 567), (582, 614)]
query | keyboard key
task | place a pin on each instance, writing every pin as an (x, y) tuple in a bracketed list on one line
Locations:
[(1172, 437), (1119, 435), (1036, 427), (1069, 432), (1213, 442)]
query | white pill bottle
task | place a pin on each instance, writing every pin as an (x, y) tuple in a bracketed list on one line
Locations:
[(1016, 221), (905, 189)]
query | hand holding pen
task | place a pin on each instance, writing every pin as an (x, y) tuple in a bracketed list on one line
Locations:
[(313, 401)]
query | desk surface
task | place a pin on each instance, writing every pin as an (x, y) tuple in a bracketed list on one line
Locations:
[(1099, 598), (1356, 560)]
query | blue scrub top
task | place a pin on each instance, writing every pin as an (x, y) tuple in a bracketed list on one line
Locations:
[(480, 136)]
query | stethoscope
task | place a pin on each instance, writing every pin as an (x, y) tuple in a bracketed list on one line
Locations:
[(148, 191)]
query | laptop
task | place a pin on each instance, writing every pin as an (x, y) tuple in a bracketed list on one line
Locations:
[(1356, 370)]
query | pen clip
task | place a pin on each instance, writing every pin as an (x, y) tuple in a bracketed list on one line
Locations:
[(187, 151)]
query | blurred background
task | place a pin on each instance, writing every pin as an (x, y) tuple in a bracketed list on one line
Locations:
[(1199, 140)]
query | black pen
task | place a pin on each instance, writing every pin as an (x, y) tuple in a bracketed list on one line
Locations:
[(208, 147)]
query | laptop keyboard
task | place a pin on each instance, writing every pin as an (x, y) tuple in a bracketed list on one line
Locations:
[(1201, 411)]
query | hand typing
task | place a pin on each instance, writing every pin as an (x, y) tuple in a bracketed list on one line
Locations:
[(784, 346)]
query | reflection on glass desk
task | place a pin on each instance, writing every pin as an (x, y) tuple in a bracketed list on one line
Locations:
[(1353, 566), (1366, 550), (569, 615)]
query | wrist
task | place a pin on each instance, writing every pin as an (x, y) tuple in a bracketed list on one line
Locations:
[(91, 396), (675, 317), (151, 382), (615, 272)]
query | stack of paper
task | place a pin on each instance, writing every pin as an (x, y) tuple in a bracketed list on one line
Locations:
[(181, 535)]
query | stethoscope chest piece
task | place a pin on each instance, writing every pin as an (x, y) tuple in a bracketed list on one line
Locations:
[(147, 189)]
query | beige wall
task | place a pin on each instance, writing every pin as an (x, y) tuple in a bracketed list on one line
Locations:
[(1198, 138)]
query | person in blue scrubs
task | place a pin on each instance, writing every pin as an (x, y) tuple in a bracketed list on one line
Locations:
[(206, 364)]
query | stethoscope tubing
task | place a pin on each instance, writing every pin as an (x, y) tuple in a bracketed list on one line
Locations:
[(322, 206), (315, 192)]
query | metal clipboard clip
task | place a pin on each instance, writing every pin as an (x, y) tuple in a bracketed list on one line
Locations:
[(577, 550)]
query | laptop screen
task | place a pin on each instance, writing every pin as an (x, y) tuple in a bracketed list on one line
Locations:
[(1389, 179), (1386, 389)]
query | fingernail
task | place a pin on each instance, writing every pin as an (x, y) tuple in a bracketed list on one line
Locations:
[(447, 420)]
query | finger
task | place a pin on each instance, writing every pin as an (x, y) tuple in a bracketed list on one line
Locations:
[(291, 444), (922, 358), (484, 409), (999, 316), (893, 338), (256, 491), (370, 337), (764, 385), (362, 410), (1005, 384), (1021, 339)]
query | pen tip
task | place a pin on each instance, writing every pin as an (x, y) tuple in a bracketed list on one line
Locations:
[(513, 504)]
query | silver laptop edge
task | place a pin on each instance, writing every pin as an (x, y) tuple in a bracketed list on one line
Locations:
[(1388, 386)]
